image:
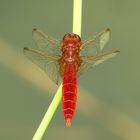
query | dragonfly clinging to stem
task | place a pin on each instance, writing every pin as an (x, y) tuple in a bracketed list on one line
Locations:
[(67, 59)]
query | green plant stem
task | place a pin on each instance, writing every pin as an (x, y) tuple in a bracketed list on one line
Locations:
[(77, 18), (48, 115)]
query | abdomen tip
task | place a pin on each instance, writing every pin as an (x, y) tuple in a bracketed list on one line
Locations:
[(68, 122)]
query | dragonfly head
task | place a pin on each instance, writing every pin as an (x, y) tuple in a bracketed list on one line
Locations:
[(71, 39)]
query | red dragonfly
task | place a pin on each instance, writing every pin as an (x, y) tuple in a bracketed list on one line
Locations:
[(67, 59)]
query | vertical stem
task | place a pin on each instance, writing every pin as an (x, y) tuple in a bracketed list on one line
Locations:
[(77, 18)]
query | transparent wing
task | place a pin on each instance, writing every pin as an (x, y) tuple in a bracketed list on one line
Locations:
[(46, 62), (95, 44), (46, 43), (91, 61)]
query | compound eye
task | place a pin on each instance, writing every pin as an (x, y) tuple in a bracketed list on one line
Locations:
[(78, 38), (65, 36)]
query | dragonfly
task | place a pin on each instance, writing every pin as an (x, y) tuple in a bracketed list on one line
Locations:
[(66, 59)]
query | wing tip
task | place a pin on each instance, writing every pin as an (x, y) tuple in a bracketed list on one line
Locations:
[(117, 51), (108, 29), (25, 48), (34, 29)]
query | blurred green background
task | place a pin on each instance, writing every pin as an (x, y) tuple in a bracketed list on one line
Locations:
[(108, 106)]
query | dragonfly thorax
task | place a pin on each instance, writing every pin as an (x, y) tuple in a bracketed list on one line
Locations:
[(70, 47), (70, 53)]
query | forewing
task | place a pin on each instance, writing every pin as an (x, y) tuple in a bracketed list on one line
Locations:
[(95, 44), (46, 43), (91, 61), (47, 63)]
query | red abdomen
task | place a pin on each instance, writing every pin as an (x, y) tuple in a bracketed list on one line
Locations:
[(69, 92)]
